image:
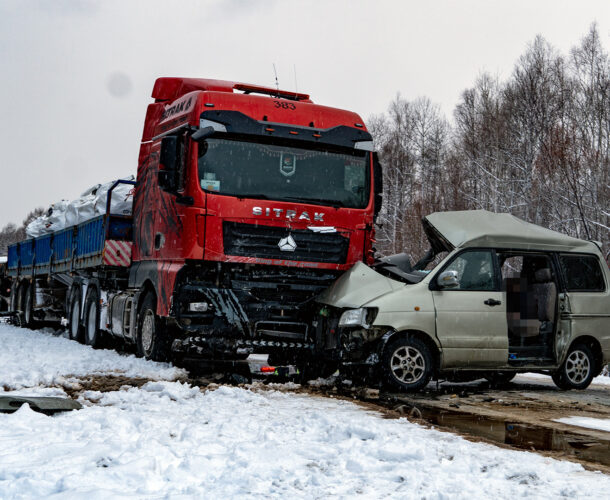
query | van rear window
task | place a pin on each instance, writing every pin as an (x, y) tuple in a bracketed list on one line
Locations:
[(582, 273)]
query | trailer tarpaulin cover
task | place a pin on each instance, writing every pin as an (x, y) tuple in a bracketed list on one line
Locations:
[(88, 205)]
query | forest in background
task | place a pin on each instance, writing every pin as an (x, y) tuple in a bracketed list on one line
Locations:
[(536, 145)]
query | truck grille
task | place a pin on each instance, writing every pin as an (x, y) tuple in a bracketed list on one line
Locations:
[(248, 240)]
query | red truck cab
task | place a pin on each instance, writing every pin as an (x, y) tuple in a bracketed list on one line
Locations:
[(249, 201)]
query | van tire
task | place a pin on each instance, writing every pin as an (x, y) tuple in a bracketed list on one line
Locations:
[(578, 369), (407, 364), (153, 340)]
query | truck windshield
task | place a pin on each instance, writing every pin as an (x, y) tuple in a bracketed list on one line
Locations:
[(249, 169)]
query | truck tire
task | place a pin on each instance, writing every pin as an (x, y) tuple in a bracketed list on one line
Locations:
[(28, 306), (407, 364), (18, 301), (578, 369), (75, 328), (153, 341), (93, 334)]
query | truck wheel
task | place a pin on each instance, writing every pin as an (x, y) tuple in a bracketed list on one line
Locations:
[(74, 328), (153, 341), (28, 306), (93, 334), (577, 370), (407, 364), (19, 302)]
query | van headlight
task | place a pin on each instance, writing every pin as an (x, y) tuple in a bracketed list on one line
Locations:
[(363, 317)]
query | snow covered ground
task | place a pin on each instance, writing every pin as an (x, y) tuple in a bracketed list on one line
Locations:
[(587, 422), (170, 440), (529, 377)]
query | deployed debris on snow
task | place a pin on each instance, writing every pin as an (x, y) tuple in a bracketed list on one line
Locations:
[(48, 405)]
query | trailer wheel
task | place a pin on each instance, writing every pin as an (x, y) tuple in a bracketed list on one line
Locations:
[(153, 341), (75, 328), (93, 334), (28, 306), (18, 302)]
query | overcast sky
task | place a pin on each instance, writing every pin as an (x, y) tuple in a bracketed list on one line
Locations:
[(77, 75)]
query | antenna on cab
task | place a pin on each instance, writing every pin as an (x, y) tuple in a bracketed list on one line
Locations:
[(277, 83)]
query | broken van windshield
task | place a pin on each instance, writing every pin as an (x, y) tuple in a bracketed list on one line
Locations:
[(248, 169)]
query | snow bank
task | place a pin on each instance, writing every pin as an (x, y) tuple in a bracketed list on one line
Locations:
[(523, 377), (168, 439), (31, 358), (587, 422)]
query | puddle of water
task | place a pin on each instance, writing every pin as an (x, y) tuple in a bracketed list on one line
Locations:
[(516, 434)]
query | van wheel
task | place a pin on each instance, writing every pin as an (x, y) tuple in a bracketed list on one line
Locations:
[(153, 341), (93, 334), (577, 370), (407, 364), (75, 329), (500, 378)]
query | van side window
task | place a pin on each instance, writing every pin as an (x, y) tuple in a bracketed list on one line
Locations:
[(582, 273), (475, 270)]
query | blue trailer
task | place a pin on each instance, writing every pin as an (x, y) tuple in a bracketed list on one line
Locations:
[(63, 260), (105, 240)]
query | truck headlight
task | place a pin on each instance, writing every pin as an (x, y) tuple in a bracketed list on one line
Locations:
[(199, 307), (363, 316)]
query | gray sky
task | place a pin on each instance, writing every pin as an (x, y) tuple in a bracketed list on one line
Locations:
[(77, 75)]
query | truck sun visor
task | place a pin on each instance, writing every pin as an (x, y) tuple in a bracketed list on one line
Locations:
[(236, 122)]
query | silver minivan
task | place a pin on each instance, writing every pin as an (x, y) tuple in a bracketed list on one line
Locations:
[(492, 297)]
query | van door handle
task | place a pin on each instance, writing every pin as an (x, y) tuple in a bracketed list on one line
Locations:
[(492, 302)]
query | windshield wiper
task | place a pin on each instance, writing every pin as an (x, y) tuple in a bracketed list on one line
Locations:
[(332, 203), (258, 196)]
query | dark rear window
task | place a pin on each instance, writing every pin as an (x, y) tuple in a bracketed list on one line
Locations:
[(582, 273)]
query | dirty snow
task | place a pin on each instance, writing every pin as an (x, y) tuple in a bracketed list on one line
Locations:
[(523, 377), (42, 358), (600, 424), (168, 439)]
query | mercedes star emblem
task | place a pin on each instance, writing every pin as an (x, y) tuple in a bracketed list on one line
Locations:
[(287, 244)]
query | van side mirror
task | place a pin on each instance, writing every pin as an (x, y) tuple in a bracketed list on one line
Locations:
[(168, 163), (448, 279)]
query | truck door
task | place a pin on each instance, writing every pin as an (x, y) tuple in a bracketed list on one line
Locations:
[(471, 322)]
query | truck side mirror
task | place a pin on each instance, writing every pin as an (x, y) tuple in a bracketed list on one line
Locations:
[(448, 279), (168, 163)]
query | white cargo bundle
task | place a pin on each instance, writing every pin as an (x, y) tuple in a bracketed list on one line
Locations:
[(88, 205)]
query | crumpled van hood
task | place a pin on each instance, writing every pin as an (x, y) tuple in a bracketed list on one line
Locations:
[(480, 228), (357, 286)]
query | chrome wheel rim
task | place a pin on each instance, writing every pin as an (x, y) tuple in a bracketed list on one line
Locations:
[(407, 364), (578, 367), (91, 322), (74, 320), (148, 330)]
